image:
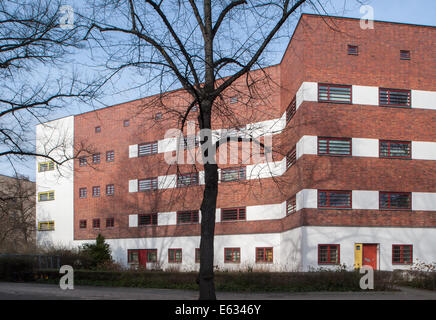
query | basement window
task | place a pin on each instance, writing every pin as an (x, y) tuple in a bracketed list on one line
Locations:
[(395, 149), (394, 97), (334, 93), (187, 217), (232, 255), (175, 255), (334, 146), (334, 199), (402, 254), (233, 214), (328, 254), (395, 200), (264, 255)]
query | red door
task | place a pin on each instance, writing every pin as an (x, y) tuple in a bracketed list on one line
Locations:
[(369, 256), (143, 258)]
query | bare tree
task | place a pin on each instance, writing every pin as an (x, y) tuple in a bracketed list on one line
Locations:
[(33, 53), (208, 48)]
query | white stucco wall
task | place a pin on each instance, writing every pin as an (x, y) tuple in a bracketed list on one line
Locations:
[(56, 139)]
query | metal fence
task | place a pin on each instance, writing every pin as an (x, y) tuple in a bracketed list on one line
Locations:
[(40, 261)]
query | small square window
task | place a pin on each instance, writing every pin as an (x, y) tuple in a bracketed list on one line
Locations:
[(110, 189), (328, 254), (96, 223), (82, 224), (158, 116), (353, 50), (110, 222), (126, 123), (96, 191), (110, 156), (96, 158), (405, 55), (97, 129), (264, 255), (82, 193), (232, 255), (233, 99), (175, 255), (83, 162)]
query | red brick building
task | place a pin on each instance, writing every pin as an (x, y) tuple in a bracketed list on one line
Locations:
[(351, 116)]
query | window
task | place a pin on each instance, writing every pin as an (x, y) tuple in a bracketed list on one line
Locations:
[(132, 256), (147, 184), (148, 148), (233, 214), (96, 191), (334, 199), (405, 54), (83, 193), (334, 146), (394, 97), (188, 179), (291, 110), (233, 99), (147, 219), (151, 255), (233, 174), (328, 254), (395, 200), (264, 255), (158, 116), (110, 156), (97, 129), (96, 223), (110, 222), (46, 196), (353, 50), (291, 158), (188, 142), (46, 226), (395, 149), (334, 93), (402, 254), (126, 123), (46, 166), (197, 255), (83, 162), (82, 224), (175, 255), (291, 205), (232, 255), (110, 189), (96, 158), (187, 217)]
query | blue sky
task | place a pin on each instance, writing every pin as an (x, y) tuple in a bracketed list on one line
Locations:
[(406, 11)]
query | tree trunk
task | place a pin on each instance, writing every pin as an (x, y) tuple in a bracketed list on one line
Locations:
[(208, 206)]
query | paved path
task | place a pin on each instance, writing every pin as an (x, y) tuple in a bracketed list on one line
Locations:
[(32, 291)]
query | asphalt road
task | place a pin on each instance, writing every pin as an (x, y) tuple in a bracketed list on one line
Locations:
[(33, 291)]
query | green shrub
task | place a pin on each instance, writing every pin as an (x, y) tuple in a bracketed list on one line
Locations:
[(99, 252)]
